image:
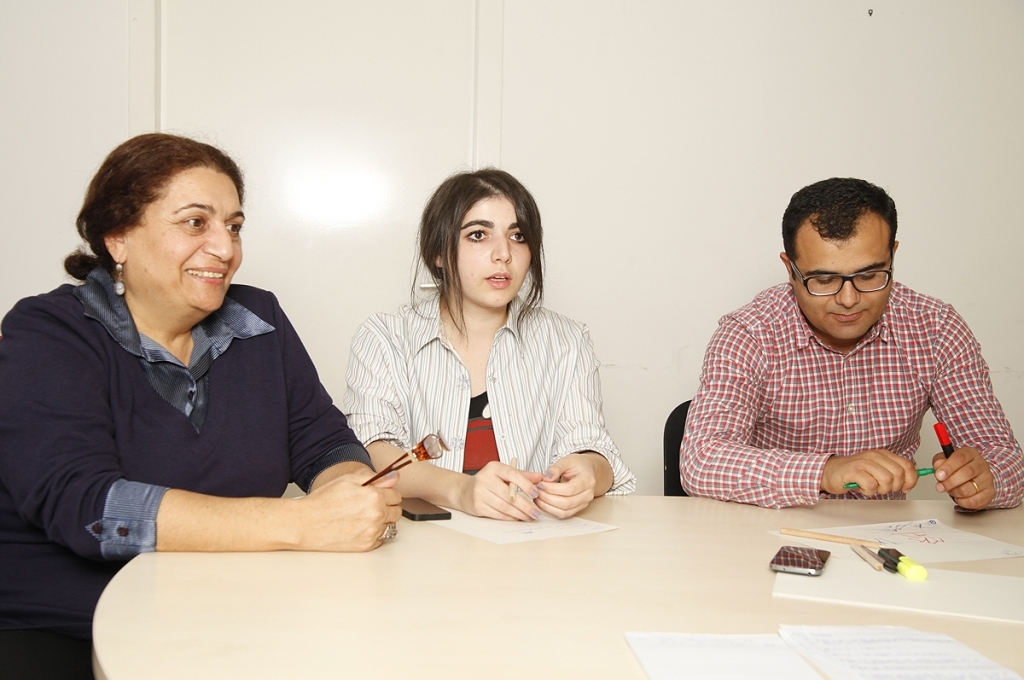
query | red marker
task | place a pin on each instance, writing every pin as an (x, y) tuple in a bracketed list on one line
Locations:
[(947, 446)]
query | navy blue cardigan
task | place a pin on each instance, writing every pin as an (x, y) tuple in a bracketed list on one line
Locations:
[(77, 414)]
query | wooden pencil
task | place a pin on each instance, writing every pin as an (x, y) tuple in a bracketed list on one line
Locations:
[(871, 558), (831, 538)]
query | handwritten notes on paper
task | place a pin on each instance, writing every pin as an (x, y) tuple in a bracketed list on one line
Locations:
[(669, 656), (925, 540), (889, 653), (840, 652), (498, 531)]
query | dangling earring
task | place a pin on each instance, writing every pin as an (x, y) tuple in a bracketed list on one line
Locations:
[(118, 284)]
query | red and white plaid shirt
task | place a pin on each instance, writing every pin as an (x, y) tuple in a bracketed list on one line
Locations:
[(775, 403)]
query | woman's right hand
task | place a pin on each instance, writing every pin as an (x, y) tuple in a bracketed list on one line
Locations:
[(344, 516), (338, 515), (486, 494)]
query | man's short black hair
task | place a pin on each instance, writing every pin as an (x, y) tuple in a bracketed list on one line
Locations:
[(833, 206)]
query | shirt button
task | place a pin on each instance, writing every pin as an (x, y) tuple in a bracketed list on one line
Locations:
[(122, 532), (97, 528), (850, 409)]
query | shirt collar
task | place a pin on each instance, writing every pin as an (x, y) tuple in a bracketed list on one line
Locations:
[(101, 303), (892, 310), (515, 310), (428, 328), (802, 335)]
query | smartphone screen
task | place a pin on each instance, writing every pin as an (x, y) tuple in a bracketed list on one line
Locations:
[(796, 560)]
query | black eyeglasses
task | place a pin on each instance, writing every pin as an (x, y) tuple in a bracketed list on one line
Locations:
[(830, 284)]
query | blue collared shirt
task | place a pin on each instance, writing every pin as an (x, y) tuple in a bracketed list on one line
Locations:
[(186, 388)]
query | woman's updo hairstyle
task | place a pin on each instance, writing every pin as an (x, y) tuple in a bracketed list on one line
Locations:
[(131, 177)]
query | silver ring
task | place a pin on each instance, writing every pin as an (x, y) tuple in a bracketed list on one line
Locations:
[(390, 531)]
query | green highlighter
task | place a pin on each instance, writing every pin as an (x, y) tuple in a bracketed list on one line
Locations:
[(920, 473)]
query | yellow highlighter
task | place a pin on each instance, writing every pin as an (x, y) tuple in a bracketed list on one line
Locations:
[(895, 561)]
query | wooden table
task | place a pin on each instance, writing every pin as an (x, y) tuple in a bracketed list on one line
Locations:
[(434, 603)]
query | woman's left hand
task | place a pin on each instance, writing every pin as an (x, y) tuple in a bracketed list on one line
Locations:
[(572, 482)]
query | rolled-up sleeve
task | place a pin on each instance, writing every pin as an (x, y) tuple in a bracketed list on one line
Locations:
[(580, 424), (346, 453), (372, 403)]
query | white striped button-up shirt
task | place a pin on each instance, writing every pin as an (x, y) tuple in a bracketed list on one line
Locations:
[(405, 381)]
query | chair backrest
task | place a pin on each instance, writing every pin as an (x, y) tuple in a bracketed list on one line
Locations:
[(674, 427)]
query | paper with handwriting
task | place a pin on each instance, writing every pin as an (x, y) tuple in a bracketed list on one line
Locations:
[(668, 656), (500, 531), (923, 540), (890, 653), (839, 652)]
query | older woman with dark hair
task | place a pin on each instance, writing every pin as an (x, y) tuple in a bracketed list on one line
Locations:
[(511, 386), (157, 407)]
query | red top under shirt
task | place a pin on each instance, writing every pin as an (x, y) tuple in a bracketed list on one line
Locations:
[(481, 448)]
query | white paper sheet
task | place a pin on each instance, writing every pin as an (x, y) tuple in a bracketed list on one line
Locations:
[(984, 596), (924, 541), (670, 656), (498, 531), (890, 653)]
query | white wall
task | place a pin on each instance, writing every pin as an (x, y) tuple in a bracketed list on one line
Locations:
[(661, 139), (344, 117), (63, 107)]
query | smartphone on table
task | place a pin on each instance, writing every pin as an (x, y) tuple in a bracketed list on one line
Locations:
[(419, 510), (793, 559)]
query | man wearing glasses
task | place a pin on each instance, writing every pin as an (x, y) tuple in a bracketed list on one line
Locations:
[(822, 383)]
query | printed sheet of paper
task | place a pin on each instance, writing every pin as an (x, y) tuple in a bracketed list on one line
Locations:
[(498, 531), (923, 540), (983, 596), (669, 656), (890, 653)]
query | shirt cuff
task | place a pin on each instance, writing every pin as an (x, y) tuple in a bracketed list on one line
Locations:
[(128, 525), (798, 480), (340, 454)]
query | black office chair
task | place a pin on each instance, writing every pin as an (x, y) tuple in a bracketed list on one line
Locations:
[(674, 427)]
